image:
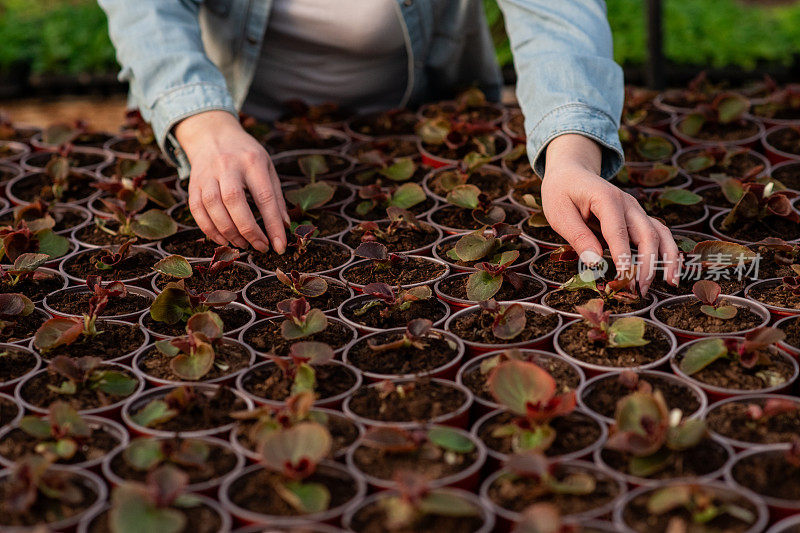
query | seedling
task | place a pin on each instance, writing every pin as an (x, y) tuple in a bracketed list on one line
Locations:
[(176, 303), (397, 441), (508, 321), (177, 267), (773, 407), (112, 257), (398, 219), (397, 169), (303, 285), (537, 219), (749, 353), (416, 333), (649, 147), (153, 224), (59, 170), (36, 236), (146, 453), (792, 283), (529, 392), (381, 258), (543, 518), (299, 368), (624, 332), (60, 435), (663, 198), (374, 196), (84, 374), (142, 130), (470, 197), (154, 505), (488, 243), (780, 102), (616, 289), (194, 355), (564, 253), (448, 180), (478, 138), (303, 235), (537, 467), (301, 320), (726, 108), (489, 277), (758, 202), (783, 253), (32, 480), (701, 503), (266, 418), (392, 301), (13, 307), (294, 453), (179, 400), (648, 178), (132, 188), (649, 433), (309, 197), (708, 292)]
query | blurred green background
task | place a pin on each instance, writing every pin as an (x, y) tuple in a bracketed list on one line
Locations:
[(68, 37)]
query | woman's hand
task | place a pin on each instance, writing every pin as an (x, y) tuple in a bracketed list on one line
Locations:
[(572, 191), (225, 162)]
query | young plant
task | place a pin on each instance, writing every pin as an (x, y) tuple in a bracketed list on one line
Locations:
[(649, 433), (374, 196), (112, 257), (656, 176), (447, 180), (508, 321), (131, 187), (783, 253), (708, 293), (758, 202), (792, 283), (624, 332), (450, 133), (649, 147), (60, 435), (303, 285), (145, 454), (489, 277), (177, 303), (483, 211), (32, 480), (773, 407), (193, 355), (266, 418), (487, 243), (85, 374), (309, 197), (381, 258), (398, 219), (617, 289), (529, 392), (155, 505), (180, 400), (536, 467), (143, 133), (153, 224), (301, 320), (726, 108), (34, 237), (294, 453), (543, 518), (59, 170), (391, 440), (177, 267), (303, 235), (782, 102), (14, 307), (702, 504), (658, 200), (392, 302), (416, 333), (396, 169), (749, 353), (299, 368)]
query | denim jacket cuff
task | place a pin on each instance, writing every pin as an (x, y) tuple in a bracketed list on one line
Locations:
[(182, 102), (581, 119)]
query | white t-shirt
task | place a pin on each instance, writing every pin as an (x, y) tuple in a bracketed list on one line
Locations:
[(351, 52)]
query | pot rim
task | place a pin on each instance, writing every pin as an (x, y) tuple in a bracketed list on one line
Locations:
[(739, 399), (133, 317), (340, 313), (329, 272), (505, 198), (242, 264), (768, 146), (448, 230), (240, 336), (782, 526), (128, 281), (692, 141), (783, 344), (332, 176), (232, 334), (86, 150), (751, 305), (522, 266), (643, 312), (769, 307), (20, 410), (22, 150), (469, 303), (720, 235), (360, 287), (116, 360), (702, 147), (416, 251), (272, 277)]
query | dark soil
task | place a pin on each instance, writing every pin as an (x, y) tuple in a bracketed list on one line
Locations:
[(209, 410), (560, 271), (113, 340), (674, 215), (46, 510), (8, 411), (493, 183), (704, 458), (758, 230), (23, 328), (326, 222), (474, 113), (402, 240), (731, 375), (265, 336), (521, 167), (320, 256), (686, 315), (17, 444), (92, 234), (37, 393), (515, 492), (371, 519), (443, 152), (734, 131), (769, 267), (477, 327), (543, 234), (574, 340), (603, 396), (379, 124), (365, 175), (732, 420), (789, 175), (425, 400), (688, 276), (566, 377), (432, 309), (159, 169), (792, 330), (233, 355), (221, 461), (379, 212), (267, 292), (429, 460), (456, 287), (454, 217), (415, 270), (713, 197), (284, 142), (232, 317), (38, 185), (785, 139), (199, 519), (189, 243), (526, 252), (641, 520), (77, 303), (35, 288), (255, 491), (769, 474), (575, 431), (516, 124), (271, 383), (737, 166), (567, 301), (139, 263), (233, 279), (404, 360), (288, 167), (775, 294), (66, 218)]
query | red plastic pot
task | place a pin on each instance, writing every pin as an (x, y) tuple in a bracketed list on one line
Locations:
[(774, 154), (697, 179), (329, 272), (776, 311), (31, 176), (794, 350), (239, 264), (359, 287), (568, 314), (423, 250), (242, 335), (458, 303), (435, 161), (230, 333), (266, 312), (507, 207), (359, 301), (123, 360), (739, 445), (128, 317), (714, 223), (455, 267)]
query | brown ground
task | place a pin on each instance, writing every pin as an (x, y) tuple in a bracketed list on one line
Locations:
[(102, 112)]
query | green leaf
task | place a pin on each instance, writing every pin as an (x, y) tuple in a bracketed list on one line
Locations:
[(699, 163), (132, 513), (170, 305), (687, 434), (305, 380), (679, 197), (57, 332), (481, 285), (669, 498), (407, 195), (291, 449), (648, 465), (732, 189), (465, 196), (724, 312), (144, 453), (315, 322), (450, 439), (510, 323), (306, 498), (159, 194), (626, 332), (443, 503), (731, 107), (195, 365), (313, 165), (474, 246), (401, 170), (35, 427), (155, 412), (515, 384), (721, 253), (577, 484), (208, 324), (174, 266), (537, 439), (67, 420), (52, 244), (654, 148), (701, 354), (691, 125), (311, 196), (153, 224), (433, 131), (30, 262)]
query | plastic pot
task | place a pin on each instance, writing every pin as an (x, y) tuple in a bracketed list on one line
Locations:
[(225, 526), (127, 317), (794, 350), (697, 179), (291, 155), (478, 348), (20, 410), (439, 170), (714, 223), (422, 250), (774, 154), (428, 158), (230, 333), (239, 264), (448, 230), (686, 140), (340, 140), (458, 303), (152, 252), (329, 272), (18, 149), (9, 171), (359, 301), (242, 336), (790, 524), (191, 234), (744, 399), (776, 311), (455, 267), (40, 316), (359, 287), (123, 359), (267, 312), (37, 161), (567, 314)]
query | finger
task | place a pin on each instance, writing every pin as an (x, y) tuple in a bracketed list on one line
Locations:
[(647, 242), (566, 220), (270, 204), (278, 189), (669, 253), (200, 214), (610, 211), (235, 201), (212, 200)]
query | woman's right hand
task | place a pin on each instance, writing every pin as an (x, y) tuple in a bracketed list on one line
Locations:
[(226, 161)]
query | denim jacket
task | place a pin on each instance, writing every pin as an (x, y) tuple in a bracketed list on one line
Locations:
[(182, 57)]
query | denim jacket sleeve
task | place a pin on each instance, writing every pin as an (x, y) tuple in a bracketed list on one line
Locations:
[(567, 81), (159, 45)]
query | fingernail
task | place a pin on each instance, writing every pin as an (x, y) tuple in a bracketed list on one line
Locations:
[(590, 257), (261, 246), (644, 289), (280, 247)]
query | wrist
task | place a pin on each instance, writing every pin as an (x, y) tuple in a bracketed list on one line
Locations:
[(573, 151), (201, 131)]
